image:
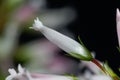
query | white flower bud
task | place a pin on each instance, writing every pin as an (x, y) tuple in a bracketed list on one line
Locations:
[(65, 43)]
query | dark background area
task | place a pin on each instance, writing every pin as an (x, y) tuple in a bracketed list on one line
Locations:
[(96, 25)]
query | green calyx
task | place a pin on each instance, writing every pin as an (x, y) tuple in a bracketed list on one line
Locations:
[(78, 56), (86, 55)]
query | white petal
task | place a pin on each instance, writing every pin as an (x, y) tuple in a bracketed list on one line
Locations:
[(28, 75), (118, 25), (20, 69), (12, 71)]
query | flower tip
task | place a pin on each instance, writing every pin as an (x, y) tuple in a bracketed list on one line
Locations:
[(117, 15), (20, 68), (37, 19), (118, 12), (37, 25)]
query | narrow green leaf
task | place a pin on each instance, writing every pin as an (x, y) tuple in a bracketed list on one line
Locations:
[(110, 71), (118, 49), (80, 41)]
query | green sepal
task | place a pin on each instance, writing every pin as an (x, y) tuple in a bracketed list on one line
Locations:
[(78, 56), (87, 57), (80, 41)]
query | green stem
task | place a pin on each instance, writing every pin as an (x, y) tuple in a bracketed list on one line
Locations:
[(99, 65)]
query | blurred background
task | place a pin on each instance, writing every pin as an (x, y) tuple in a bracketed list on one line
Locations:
[(93, 20)]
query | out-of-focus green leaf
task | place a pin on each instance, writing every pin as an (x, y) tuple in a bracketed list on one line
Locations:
[(21, 56), (2, 76), (6, 7), (118, 49), (13, 3)]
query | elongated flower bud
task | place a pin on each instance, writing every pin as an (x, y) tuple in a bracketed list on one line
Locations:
[(118, 24), (65, 43)]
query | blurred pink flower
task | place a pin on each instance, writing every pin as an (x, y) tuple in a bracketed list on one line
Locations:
[(24, 13)]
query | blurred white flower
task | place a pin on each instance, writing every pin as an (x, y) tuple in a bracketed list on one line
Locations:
[(65, 43), (25, 75), (21, 75)]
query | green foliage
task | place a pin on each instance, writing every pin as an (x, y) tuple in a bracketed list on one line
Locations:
[(22, 56), (2, 76)]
